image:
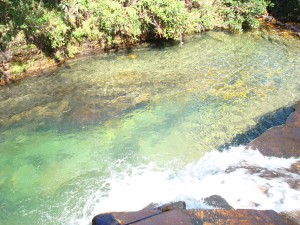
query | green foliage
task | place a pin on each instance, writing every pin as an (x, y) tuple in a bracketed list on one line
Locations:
[(210, 14), (167, 19), (56, 25), (17, 68), (53, 26), (44, 27), (242, 13), (72, 50), (116, 20)]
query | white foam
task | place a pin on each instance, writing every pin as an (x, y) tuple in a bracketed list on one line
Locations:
[(136, 187)]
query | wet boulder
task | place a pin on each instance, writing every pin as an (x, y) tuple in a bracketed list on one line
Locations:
[(292, 215), (240, 216), (193, 217), (294, 119), (145, 217), (281, 141), (217, 201), (151, 214), (166, 207)]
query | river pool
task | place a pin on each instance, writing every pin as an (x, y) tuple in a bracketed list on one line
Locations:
[(121, 130)]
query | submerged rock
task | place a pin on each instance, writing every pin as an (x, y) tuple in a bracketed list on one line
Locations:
[(82, 115), (294, 119), (281, 141), (217, 201)]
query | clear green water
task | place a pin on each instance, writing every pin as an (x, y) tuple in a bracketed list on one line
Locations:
[(62, 135)]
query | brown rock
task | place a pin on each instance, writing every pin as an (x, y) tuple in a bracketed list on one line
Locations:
[(217, 202), (6, 67), (295, 168), (6, 56), (166, 207), (241, 217), (281, 141), (193, 217), (151, 206), (172, 206), (144, 217), (294, 118), (292, 215)]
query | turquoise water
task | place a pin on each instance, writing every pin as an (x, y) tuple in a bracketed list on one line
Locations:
[(68, 135)]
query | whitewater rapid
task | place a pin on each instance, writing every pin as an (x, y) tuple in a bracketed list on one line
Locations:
[(245, 178)]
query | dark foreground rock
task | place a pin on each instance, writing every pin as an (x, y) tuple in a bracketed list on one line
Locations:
[(281, 141), (217, 201), (292, 215), (193, 217)]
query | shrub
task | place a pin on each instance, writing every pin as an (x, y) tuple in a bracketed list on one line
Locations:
[(55, 25), (116, 20), (242, 13), (167, 19)]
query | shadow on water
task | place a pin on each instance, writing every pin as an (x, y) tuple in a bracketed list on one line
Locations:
[(265, 122)]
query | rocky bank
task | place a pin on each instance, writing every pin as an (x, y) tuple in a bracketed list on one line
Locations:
[(25, 59), (280, 141), (177, 214)]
